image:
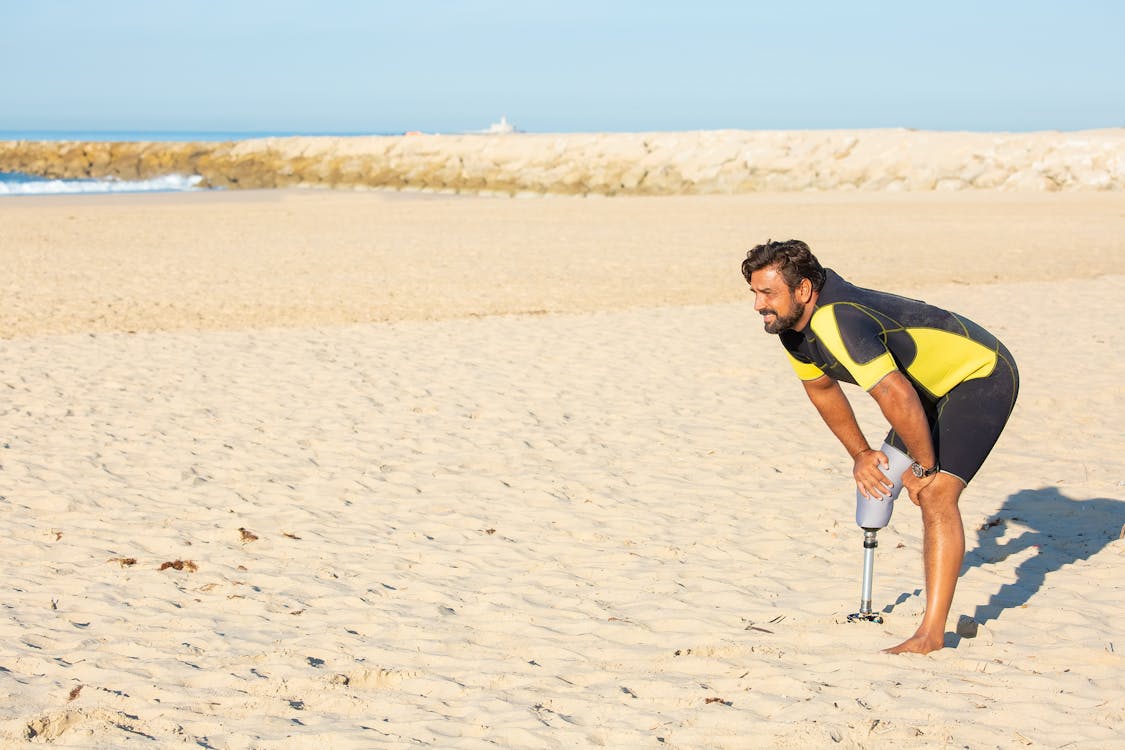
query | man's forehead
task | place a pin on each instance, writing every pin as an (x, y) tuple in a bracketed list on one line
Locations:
[(767, 277)]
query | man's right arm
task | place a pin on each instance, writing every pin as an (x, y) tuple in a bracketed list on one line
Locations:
[(836, 411)]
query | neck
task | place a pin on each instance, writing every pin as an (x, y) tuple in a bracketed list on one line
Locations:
[(806, 316)]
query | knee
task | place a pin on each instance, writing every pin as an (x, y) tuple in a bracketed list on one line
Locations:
[(941, 496)]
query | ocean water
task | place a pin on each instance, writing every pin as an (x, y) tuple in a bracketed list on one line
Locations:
[(205, 136), (16, 183)]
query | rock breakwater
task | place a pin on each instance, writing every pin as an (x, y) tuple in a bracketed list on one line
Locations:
[(701, 162)]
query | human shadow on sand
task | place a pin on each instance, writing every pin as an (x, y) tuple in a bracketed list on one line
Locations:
[(1062, 530)]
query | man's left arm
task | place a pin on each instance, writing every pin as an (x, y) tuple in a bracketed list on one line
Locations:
[(901, 406)]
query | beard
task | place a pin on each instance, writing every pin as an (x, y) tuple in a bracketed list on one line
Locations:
[(783, 323)]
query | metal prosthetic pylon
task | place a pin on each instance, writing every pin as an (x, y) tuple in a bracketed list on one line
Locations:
[(865, 614)]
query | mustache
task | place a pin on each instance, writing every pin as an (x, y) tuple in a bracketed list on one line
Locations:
[(767, 312)]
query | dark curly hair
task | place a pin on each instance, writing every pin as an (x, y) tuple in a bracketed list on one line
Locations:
[(793, 259)]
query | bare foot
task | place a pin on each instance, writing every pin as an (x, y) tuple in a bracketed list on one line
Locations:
[(917, 644)]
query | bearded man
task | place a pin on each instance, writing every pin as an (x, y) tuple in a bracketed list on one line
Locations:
[(945, 385)]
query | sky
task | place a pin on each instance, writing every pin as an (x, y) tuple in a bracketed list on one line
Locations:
[(561, 66)]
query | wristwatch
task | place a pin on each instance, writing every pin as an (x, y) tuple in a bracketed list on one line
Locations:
[(920, 471)]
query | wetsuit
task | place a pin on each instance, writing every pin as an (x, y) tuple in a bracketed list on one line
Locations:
[(966, 379)]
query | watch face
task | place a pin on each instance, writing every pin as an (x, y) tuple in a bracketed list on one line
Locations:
[(917, 469)]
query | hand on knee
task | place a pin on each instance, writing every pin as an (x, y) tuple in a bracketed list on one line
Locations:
[(917, 487)]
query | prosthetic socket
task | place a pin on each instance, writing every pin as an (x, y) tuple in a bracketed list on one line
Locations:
[(875, 513)]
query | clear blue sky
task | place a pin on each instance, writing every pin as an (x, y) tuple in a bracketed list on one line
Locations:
[(560, 66)]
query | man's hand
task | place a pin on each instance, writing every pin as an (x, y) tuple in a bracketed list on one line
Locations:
[(869, 479), (916, 485)]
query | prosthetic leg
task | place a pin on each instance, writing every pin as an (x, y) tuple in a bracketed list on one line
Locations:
[(872, 514)]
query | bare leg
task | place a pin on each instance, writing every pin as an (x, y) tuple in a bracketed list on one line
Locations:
[(943, 551)]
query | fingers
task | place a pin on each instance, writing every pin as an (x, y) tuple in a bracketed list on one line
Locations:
[(874, 486), (869, 479), (915, 496), (872, 492), (915, 487)]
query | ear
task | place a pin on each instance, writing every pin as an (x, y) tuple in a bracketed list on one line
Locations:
[(804, 291)]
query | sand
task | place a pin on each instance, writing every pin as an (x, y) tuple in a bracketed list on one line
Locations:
[(390, 470)]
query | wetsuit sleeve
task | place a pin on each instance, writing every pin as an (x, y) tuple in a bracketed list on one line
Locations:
[(857, 340), (799, 359), (804, 370)]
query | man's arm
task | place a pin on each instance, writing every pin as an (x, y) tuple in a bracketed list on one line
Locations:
[(903, 409), (836, 411)]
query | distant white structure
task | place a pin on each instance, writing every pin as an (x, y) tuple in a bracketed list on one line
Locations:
[(501, 128)]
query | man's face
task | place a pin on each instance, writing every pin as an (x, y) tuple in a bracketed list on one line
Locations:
[(774, 300)]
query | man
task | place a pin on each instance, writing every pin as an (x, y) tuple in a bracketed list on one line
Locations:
[(946, 385)]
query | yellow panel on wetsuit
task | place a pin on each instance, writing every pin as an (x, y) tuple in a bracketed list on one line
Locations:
[(805, 370), (961, 359)]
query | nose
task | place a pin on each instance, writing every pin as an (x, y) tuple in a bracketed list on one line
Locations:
[(759, 303)]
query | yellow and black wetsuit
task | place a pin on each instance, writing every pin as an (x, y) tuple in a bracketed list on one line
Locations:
[(966, 379)]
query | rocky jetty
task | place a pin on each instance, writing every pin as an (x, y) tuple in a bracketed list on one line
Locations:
[(703, 162)]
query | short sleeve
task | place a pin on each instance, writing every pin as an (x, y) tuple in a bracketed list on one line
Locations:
[(856, 339), (804, 370)]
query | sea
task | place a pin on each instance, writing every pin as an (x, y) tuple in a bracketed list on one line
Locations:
[(18, 183)]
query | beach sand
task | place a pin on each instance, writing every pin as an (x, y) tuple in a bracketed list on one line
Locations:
[(393, 470)]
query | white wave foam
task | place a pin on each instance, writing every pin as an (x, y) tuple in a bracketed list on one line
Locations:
[(24, 185)]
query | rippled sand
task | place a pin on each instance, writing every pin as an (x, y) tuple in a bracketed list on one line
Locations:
[(368, 470)]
